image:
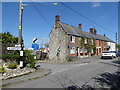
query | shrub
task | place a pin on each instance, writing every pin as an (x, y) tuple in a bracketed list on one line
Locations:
[(12, 66), (2, 70), (10, 57), (29, 60), (69, 60)]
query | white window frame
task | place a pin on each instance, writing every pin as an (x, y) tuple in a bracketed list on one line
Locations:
[(73, 39), (92, 50), (81, 50), (85, 50), (72, 50), (85, 42), (92, 41)]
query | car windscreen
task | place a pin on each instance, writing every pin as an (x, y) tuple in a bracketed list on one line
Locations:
[(113, 51), (106, 52)]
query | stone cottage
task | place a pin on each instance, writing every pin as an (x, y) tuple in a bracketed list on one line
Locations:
[(67, 41)]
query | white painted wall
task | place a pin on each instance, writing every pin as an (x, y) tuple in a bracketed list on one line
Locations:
[(112, 46)]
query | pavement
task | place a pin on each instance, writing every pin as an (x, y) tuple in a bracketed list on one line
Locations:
[(40, 72)]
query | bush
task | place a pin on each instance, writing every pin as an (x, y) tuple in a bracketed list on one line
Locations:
[(2, 70), (12, 66), (70, 60), (10, 57), (29, 60)]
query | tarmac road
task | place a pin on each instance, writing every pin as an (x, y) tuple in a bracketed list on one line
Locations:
[(95, 74)]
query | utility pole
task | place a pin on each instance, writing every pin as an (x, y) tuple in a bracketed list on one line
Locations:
[(20, 23), (20, 39)]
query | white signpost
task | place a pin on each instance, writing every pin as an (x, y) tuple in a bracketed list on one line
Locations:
[(18, 47)]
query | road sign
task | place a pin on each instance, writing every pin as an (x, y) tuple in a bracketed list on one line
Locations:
[(35, 40), (18, 45), (35, 46), (18, 48), (13, 48)]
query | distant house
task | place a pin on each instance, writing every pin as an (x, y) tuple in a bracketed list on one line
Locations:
[(67, 41)]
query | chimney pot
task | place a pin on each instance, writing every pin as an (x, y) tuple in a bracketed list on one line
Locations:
[(95, 31), (91, 30), (80, 26), (57, 20)]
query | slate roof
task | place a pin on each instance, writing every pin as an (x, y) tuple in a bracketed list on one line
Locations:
[(76, 31)]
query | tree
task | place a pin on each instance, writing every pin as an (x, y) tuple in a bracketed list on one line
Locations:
[(118, 46), (7, 37)]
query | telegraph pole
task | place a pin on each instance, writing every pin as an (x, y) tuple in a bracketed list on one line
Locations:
[(20, 23), (20, 39)]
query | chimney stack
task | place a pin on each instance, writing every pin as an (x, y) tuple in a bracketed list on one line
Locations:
[(95, 31), (91, 30), (57, 20), (80, 26)]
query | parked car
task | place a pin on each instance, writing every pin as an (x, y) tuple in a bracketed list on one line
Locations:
[(108, 54)]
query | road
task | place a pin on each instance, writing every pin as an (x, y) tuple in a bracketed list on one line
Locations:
[(99, 73)]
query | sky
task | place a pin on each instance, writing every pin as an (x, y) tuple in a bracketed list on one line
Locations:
[(35, 26)]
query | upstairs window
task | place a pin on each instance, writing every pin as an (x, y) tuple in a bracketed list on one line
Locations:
[(92, 41), (99, 42), (85, 41), (72, 39)]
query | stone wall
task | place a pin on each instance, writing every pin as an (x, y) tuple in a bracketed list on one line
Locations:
[(57, 45)]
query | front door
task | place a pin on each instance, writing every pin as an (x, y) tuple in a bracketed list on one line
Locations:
[(97, 51)]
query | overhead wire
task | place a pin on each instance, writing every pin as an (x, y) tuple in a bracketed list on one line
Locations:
[(41, 14), (80, 14)]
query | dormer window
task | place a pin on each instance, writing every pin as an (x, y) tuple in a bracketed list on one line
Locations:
[(72, 39)]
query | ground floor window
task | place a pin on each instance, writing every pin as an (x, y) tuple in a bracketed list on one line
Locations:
[(80, 50), (72, 50), (92, 50), (85, 50)]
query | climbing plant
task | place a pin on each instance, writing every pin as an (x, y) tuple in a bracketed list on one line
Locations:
[(82, 42)]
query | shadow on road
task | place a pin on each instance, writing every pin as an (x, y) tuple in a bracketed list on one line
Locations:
[(114, 63), (109, 79)]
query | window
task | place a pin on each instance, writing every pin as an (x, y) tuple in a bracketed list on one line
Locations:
[(104, 43), (80, 50), (72, 39), (85, 41), (92, 50), (85, 50), (99, 42), (72, 50), (92, 42)]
